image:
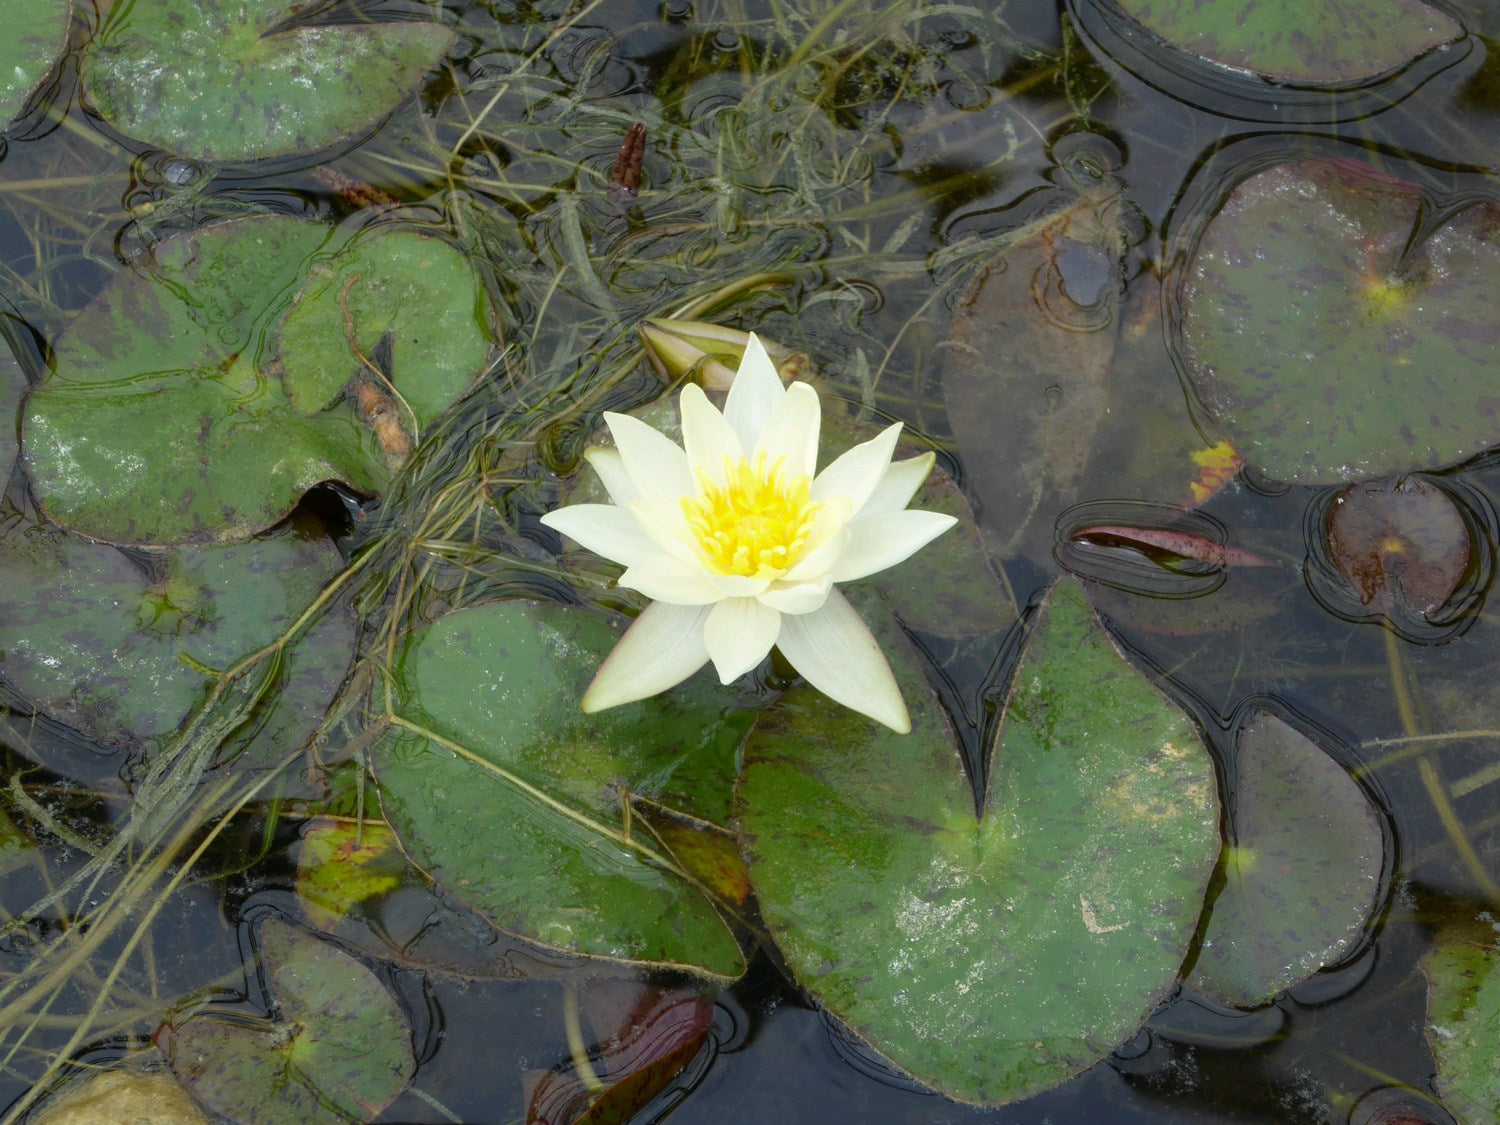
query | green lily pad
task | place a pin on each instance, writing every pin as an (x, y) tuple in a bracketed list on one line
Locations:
[(510, 797), (1302, 873), (1463, 1028), (418, 291), (1327, 347), (163, 419), (337, 1050), (224, 81), (163, 619), (1296, 41), (990, 958), (36, 31)]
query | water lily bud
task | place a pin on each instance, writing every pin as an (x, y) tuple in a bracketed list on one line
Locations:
[(708, 354)]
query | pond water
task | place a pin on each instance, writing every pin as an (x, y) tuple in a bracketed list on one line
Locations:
[(1035, 234)]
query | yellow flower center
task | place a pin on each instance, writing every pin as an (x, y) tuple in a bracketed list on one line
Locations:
[(758, 523)]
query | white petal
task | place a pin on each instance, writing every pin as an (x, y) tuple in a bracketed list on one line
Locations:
[(898, 485), (837, 655), (665, 579), (797, 597), (825, 543), (737, 585), (611, 469), (661, 649), (757, 391), (606, 530), (881, 541), (791, 432), (655, 464), (858, 471), (706, 437), (739, 632), (663, 520)]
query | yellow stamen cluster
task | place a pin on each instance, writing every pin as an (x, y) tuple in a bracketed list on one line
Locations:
[(758, 523)]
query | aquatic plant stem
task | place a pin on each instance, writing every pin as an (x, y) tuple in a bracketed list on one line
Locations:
[(1430, 779)]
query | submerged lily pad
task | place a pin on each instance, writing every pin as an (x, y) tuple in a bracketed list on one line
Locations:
[(996, 957), (337, 1050), (224, 81), (123, 647), (1296, 41), (1301, 874), (1327, 347), (382, 285), (1399, 543), (1463, 1028), (36, 31), (510, 797)]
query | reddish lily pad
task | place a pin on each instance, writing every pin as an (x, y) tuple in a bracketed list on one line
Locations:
[(336, 1048), (1299, 42), (224, 81), (1399, 542), (1326, 344)]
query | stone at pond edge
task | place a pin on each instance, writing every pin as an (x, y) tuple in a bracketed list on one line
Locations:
[(124, 1096), (990, 959)]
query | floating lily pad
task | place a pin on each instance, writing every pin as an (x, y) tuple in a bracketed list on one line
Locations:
[(1399, 542), (1296, 41), (418, 292), (1327, 347), (224, 81), (338, 1048), (343, 863), (989, 958), (36, 31), (510, 797), (1463, 1028), (122, 647), (1301, 874), (164, 419)]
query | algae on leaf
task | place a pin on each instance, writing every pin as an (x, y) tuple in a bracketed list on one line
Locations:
[(36, 31), (226, 81), (990, 958), (1463, 1028)]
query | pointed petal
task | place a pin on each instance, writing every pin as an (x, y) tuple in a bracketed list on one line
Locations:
[(757, 391), (878, 542), (662, 518), (791, 432), (898, 485), (837, 655), (825, 543), (665, 579), (858, 471), (738, 585), (739, 632), (661, 649), (797, 597), (611, 469), (655, 464), (706, 437), (606, 530)]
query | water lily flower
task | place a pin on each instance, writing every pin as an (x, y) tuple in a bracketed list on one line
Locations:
[(739, 544)]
